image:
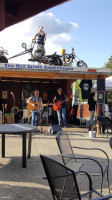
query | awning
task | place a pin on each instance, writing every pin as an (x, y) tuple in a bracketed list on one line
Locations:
[(11, 70)]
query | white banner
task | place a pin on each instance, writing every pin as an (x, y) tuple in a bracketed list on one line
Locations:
[(30, 66)]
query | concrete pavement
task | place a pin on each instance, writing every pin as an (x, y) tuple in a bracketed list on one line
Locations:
[(17, 183)]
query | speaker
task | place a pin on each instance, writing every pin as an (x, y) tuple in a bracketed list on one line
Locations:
[(101, 97), (83, 122), (53, 129), (101, 84)]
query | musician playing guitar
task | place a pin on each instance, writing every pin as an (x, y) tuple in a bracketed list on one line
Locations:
[(60, 107), (35, 105)]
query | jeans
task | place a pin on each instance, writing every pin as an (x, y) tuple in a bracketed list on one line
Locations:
[(35, 118), (61, 112), (91, 118)]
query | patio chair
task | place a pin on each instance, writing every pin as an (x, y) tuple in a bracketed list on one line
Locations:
[(91, 165), (105, 124), (63, 182), (110, 142)]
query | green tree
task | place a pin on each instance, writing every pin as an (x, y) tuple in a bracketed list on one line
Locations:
[(77, 91), (109, 63)]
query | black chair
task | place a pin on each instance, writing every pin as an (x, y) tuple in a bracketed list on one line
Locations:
[(105, 124), (110, 142), (63, 182), (89, 165)]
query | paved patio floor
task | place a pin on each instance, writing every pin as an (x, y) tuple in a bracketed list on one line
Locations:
[(17, 183)]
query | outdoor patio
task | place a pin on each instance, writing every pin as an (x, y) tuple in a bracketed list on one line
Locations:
[(17, 183)]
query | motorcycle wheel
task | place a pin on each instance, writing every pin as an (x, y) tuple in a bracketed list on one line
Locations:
[(3, 59), (81, 63)]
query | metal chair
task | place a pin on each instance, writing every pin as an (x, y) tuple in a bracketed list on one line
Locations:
[(105, 124), (63, 182), (110, 142), (91, 166)]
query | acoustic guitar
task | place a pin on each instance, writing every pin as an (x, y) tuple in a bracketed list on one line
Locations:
[(37, 105), (30, 107), (58, 104)]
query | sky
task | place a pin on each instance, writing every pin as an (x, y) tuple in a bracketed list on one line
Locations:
[(84, 25)]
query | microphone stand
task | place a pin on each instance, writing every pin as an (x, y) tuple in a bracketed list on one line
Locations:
[(47, 112), (41, 130), (14, 105)]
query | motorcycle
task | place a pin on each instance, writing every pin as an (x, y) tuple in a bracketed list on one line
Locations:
[(71, 58), (53, 59), (3, 53), (39, 55)]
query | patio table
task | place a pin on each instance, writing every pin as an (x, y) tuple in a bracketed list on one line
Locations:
[(15, 129)]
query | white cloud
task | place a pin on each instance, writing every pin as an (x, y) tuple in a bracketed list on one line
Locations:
[(76, 26), (58, 35)]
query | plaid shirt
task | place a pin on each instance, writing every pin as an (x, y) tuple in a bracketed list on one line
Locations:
[(36, 99)]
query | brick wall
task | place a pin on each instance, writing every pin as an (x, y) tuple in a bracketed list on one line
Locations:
[(85, 111)]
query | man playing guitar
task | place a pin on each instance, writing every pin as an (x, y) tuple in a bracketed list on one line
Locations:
[(35, 105), (60, 106)]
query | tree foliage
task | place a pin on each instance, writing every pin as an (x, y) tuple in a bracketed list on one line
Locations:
[(78, 97), (109, 63)]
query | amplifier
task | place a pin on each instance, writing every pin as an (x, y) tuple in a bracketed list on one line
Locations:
[(53, 129), (82, 121)]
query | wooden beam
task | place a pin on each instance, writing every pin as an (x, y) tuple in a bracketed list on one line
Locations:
[(46, 75), (2, 14)]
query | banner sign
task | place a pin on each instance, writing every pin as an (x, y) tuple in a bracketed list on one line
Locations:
[(54, 68), (30, 66)]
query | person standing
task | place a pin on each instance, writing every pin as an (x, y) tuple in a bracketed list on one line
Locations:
[(61, 111), (35, 102), (92, 104), (40, 39)]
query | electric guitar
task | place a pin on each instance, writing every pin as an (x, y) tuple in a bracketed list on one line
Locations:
[(58, 105)]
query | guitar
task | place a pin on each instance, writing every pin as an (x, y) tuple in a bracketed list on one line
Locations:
[(58, 105), (37, 106), (30, 107)]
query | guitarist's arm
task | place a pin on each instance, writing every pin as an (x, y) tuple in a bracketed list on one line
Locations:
[(30, 102), (66, 99), (54, 100)]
